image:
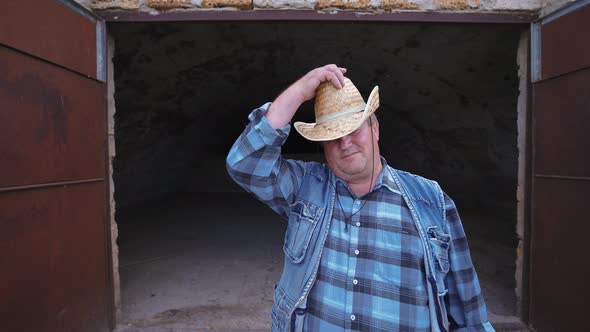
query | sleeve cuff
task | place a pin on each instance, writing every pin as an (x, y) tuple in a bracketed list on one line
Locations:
[(269, 135)]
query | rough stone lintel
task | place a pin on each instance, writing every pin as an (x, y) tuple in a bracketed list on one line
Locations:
[(168, 4), (110, 4), (512, 5), (241, 4), (344, 4), (489, 6), (399, 5), (285, 4), (456, 4)]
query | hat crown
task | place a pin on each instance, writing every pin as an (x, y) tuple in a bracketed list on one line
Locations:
[(331, 102), (338, 112)]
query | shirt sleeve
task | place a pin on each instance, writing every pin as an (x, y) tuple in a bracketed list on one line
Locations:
[(465, 303), (254, 162)]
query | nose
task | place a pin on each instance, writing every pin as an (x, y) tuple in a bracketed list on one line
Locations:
[(344, 142)]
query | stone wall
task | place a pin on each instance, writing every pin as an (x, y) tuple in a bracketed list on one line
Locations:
[(154, 6), (112, 153)]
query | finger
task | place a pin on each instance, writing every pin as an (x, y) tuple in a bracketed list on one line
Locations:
[(333, 77), (338, 71), (340, 75), (337, 78), (331, 67)]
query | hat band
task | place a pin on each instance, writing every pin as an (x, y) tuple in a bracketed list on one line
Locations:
[(335, 115)]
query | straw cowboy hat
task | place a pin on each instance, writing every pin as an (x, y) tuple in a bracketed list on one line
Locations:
[(338, 112)]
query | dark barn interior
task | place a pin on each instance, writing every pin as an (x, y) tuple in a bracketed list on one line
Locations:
[(197, 252)]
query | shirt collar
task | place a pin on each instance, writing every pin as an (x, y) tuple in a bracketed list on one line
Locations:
[(385, 179)]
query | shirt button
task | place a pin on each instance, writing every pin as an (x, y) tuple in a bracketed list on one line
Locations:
[(355, 281), (352, 317), (358, 224), (356, 252), (358, 202)]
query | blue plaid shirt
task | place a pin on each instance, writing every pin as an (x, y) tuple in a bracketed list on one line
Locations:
[(371, 274)]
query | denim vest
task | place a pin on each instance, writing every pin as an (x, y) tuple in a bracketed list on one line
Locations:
[(309, 222)]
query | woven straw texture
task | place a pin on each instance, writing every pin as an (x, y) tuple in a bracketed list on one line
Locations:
[(334, 112)]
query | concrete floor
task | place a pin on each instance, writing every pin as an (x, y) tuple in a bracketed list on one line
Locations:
[(210, 261)]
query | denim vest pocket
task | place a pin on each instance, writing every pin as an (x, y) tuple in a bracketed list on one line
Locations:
[(440, 242), (303, 218)]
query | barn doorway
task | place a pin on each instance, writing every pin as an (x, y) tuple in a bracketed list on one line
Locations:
[(195, 251)]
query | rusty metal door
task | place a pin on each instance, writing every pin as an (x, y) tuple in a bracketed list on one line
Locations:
[(560, 224), (54, 239)]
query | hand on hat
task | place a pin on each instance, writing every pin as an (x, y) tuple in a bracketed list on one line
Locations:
[(284, 107), (308, 84)]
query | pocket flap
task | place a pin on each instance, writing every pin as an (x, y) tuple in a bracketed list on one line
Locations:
[(303, 219), (440, 243)]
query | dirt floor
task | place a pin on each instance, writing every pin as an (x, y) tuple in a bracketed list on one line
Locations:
[(209, 262), (200, 262)]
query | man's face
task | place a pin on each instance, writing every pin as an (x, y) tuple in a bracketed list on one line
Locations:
[(352, 157)]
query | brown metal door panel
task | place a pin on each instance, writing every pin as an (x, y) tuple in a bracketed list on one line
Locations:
[(562, 43), (53, 264), (559, 268), (562, 115), (559, 259), (53, 115), (55, 252), (50, 30)]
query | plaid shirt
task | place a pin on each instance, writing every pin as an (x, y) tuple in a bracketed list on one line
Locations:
[(371, 274)]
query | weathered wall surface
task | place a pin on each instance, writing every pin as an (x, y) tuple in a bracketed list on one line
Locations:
[(112, 153), (369, 5), (549, 6)]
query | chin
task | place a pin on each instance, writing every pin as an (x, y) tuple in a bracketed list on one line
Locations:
[(352, 171)]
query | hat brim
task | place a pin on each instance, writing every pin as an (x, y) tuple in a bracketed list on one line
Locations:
[(339, 127)]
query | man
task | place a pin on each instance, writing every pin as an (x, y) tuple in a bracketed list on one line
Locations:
[(367, 247)]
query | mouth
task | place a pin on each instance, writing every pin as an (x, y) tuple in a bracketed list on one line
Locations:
[(348, 155)]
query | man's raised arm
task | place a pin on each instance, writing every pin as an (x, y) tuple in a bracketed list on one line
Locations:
[(255, 162), (284, 107)]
